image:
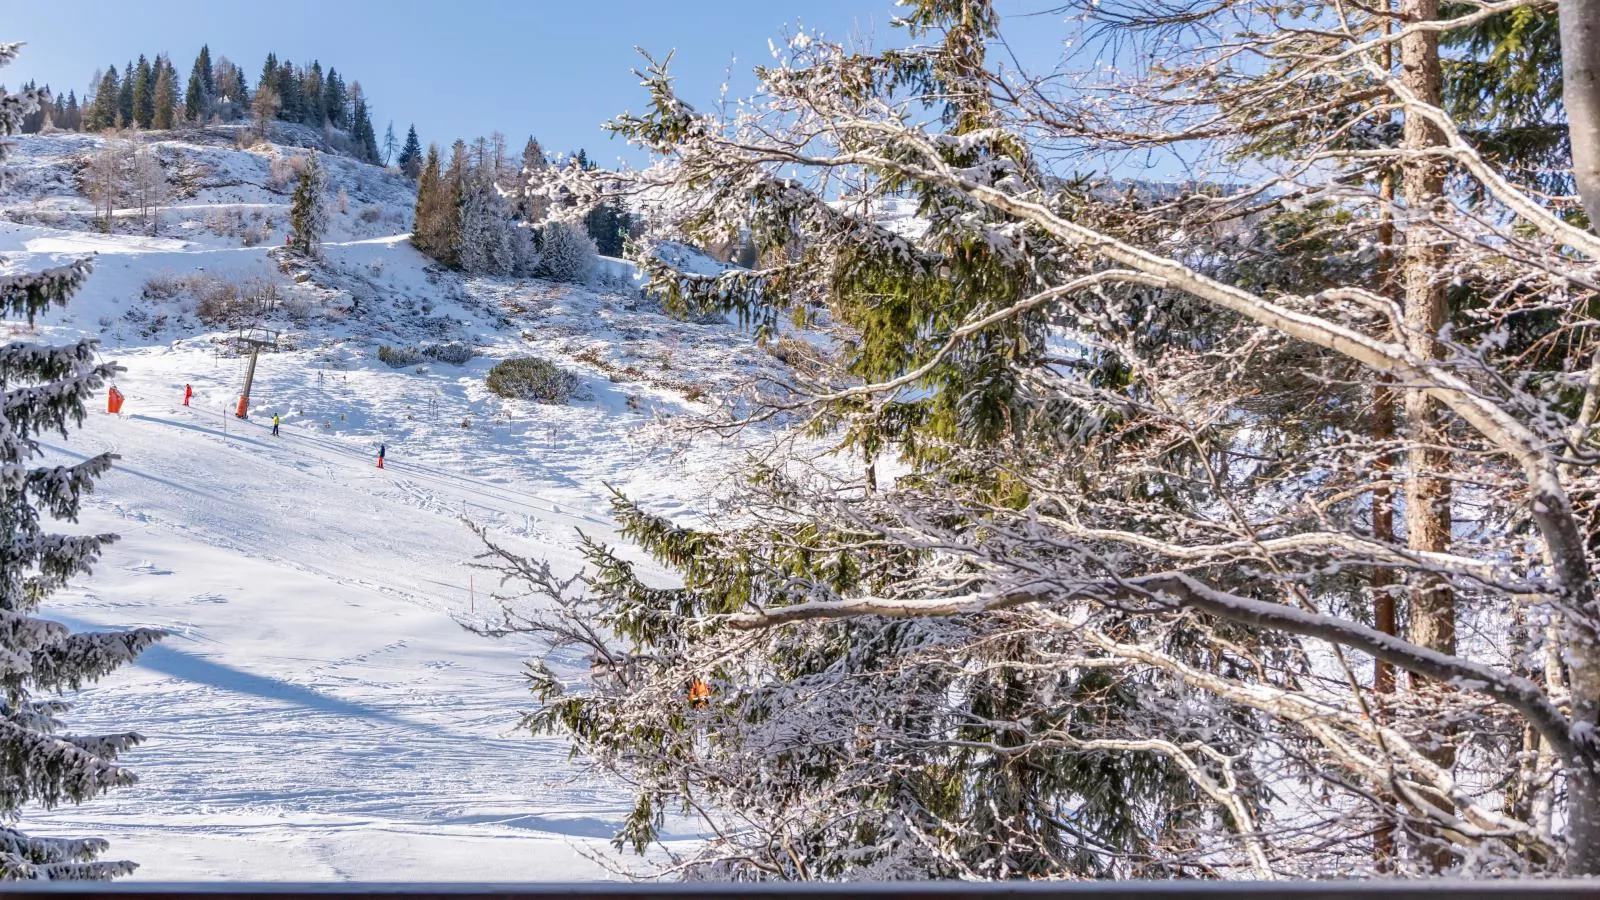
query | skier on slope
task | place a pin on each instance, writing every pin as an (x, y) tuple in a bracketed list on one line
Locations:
[(274, 424), (381, 448)]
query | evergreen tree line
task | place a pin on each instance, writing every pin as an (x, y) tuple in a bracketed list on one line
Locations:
[(308, 96), (149, 93)]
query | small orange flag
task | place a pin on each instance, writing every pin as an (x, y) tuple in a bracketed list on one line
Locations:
[(699, 692)]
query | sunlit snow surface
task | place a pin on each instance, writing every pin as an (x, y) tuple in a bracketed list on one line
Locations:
[(318, 713)]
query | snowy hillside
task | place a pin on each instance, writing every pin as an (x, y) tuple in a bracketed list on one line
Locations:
[(318, 713)]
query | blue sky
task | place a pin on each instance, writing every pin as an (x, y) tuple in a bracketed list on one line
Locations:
[(552, 69)]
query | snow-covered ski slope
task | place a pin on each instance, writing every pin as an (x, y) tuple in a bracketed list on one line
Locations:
[(318, 712)]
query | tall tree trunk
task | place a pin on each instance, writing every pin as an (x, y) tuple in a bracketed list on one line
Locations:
[(1580, 84), (1427, 507), (1384, 580)]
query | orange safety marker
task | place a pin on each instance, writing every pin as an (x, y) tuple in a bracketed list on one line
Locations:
[(699, 692), (114, 400), (244, 406)]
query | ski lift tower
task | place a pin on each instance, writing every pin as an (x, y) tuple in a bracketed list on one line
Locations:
[(254, 339)]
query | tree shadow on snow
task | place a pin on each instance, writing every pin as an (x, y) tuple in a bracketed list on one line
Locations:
[(202, 671)]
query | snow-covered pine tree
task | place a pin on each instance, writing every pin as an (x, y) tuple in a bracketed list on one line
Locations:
[(566, 252), (308, 210), (44, 390), (483, 245), (525, 249)]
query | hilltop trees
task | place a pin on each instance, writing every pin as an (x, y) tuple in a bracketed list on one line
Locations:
[(150, 95), (308, 210), (45, 390), (1123, 612)]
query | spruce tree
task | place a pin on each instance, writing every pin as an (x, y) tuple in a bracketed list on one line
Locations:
[(291, 103), (202, 64), (166, 95), (308, 210), (361, 132), (103, 112), (334, 100), (144, 94), (411, 154), (269, 74), (194, 99), (241, 93), (46, 389), (201, 89), (124, 117)]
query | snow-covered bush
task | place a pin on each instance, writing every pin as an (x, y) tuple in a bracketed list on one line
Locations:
[(567, 253), (532, 378), (454, 353), (400, 357)]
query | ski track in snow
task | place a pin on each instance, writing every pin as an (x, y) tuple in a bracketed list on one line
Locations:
[(317, 712)]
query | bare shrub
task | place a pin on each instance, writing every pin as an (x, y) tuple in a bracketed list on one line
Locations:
[(283, 172), (164, 286), (217, 303)]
